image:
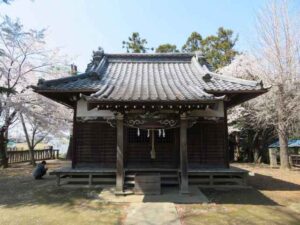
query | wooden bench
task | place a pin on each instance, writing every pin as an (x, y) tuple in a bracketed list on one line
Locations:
[(147, 184)]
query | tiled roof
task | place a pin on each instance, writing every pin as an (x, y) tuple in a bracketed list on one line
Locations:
[(150, 77), (86, 81)]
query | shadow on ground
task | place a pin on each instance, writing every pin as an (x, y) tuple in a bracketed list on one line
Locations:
[(18, 191), (169, 194), (263, 182), (18, 188), (249, 196)]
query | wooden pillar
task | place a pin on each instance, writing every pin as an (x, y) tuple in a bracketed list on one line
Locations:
[(120, 157), (184, 181), (226, 141), (74, 160)]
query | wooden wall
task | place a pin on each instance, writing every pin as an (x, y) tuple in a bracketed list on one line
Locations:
[(95, 144), (206, 145)]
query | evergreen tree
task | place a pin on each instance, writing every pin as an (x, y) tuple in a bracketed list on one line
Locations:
[(217, 49), (193, 43), (166, 48), (136, 44)]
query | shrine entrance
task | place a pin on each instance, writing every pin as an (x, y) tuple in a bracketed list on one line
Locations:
[(151, 140), (151, 148)]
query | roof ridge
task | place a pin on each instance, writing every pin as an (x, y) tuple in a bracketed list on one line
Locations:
[(201, 68), (235, 80), (100, 66), (175, 54)]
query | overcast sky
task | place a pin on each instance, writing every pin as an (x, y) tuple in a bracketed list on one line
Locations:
[(79, 26)]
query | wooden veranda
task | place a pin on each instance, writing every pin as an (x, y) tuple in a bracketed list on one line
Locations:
[(229, 177)]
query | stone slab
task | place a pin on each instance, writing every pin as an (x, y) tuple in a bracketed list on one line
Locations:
[(168, 195), (152, 213)]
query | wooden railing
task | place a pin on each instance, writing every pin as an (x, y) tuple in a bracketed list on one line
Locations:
[(295, 160), (24, 156)]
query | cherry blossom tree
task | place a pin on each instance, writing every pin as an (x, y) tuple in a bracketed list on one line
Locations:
[(41, 118), (243, 124), (278, 55), (24, 59)]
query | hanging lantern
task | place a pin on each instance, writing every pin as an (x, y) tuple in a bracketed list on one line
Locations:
[(148, 133)]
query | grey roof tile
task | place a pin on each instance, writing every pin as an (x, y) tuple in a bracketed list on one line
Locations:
[(150, 77)]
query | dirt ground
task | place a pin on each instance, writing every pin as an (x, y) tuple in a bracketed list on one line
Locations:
[(274, 199), (27, 201)]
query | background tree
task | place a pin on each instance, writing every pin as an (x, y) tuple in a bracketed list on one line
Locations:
[(193, 43), (217, 49), (136, 44), (166, 48), (278, 54), (251, 138), (41, 118), (276, 62), (23, 59)]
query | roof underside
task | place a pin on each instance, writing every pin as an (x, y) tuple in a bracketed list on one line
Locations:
[(150, 78)]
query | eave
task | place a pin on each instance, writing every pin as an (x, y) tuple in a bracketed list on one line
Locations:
[(64, 97), (237, 97)]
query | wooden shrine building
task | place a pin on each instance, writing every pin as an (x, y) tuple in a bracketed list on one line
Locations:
[(149, 112)]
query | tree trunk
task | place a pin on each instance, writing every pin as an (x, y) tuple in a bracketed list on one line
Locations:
[(273, 158), (29, 144), (32, 159), (237, 154), (282, 130), (256, 154), (4, 138), (284, 156), (3, 154)]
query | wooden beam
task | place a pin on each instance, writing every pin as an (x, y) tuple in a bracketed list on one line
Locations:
[(120, 156), (184, 182)]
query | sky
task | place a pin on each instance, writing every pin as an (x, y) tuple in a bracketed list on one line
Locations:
[(78, 27)]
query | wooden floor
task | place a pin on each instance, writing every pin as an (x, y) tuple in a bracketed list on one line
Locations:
[(100, 170), (204, 177)]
